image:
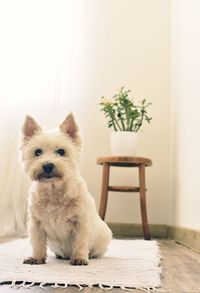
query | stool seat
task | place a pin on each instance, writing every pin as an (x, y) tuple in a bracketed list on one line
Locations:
[(125, 161), (121, 161)]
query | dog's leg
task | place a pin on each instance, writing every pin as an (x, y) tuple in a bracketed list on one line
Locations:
[(39, 242), (80, 250)]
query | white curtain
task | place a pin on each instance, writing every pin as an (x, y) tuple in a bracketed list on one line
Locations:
[(41, 64)]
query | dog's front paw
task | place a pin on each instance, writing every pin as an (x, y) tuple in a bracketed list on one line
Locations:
[(34, 261), (78, 262)]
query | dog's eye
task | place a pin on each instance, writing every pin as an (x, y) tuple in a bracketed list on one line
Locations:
[(61, 152), (38, 152)]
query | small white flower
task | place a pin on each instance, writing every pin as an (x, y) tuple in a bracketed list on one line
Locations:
[(106, 101)]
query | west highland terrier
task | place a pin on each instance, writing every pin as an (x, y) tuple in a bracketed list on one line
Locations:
[(62, 213)]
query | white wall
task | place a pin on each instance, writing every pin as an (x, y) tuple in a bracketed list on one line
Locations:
[(73, 54), (128, 43), (185, 187)]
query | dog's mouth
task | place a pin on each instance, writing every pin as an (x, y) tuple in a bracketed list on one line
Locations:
[(48, 176), (45, 175)]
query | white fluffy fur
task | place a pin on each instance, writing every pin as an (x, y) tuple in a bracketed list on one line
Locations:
[(62, 213)]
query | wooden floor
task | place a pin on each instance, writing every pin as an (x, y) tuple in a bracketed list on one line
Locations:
[(181, 273)]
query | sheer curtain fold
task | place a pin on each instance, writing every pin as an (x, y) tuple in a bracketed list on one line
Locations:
[(39, 70)]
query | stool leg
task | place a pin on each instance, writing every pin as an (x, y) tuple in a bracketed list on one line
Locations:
[(143, 202), (104, 190)]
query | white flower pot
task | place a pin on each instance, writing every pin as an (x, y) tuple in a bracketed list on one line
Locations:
[(124, 143)]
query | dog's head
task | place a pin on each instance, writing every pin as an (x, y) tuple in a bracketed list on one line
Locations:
[(53, 154)]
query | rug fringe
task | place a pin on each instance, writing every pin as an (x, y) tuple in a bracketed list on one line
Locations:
[(26, 285), (13, 283), (20, 285), (126, 289), (29, 285), (106, 288), (56, 285), (145, 289), (79, 286), (42, 285)]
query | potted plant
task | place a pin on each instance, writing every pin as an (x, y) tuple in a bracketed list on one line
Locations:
[(126, 118)]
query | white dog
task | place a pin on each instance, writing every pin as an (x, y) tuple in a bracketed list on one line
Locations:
[(62, 213)]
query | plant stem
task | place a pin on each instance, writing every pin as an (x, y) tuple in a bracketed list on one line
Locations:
[(122, 122), (118, 124), (140, 123), (127, 119), (131, 125), (115, 122), (115, 128)]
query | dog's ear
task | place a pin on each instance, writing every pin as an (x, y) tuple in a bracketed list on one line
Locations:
[(30, 127), (70, 127)]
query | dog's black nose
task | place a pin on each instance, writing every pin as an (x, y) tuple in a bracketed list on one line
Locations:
[(48, 167)]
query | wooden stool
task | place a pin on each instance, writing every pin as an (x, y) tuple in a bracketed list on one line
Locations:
[(139, 162)]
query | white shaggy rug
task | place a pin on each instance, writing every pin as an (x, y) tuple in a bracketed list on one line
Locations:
[(127, 264)]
